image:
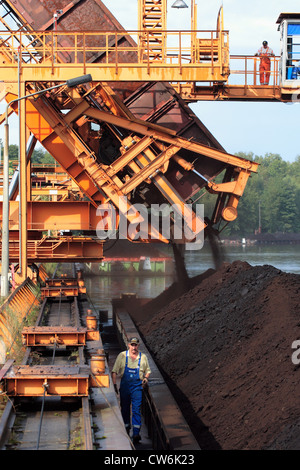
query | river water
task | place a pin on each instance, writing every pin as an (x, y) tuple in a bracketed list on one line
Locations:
[(101, 289), (284, 257)]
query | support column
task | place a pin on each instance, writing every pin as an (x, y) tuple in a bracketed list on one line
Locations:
[(23, 184), (5, 217)]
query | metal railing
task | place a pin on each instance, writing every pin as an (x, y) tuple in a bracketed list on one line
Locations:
[(244, 70), (114, 48)]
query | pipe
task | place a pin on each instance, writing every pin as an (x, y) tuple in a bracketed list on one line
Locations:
[(5, 216)]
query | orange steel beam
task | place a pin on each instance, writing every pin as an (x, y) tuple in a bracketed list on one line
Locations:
[(75, 156), (54, 291), (227, 92), (66, 147), (50, 335), (170, 137), (150, 60), (103, 178), (66, 281), (59, 250), (62, 120), (62, 291), (60, 335), (40, 168), (235, 190), (42, 215), (53, 380), (91, 171), (63, 286), (35, 381), (106, 177)]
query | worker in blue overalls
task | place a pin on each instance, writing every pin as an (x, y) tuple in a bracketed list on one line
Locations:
[(133, 368)]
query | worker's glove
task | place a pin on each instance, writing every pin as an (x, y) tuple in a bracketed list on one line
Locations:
[(145, 382), (116, 389)]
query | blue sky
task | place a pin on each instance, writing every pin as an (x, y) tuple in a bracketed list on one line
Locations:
[(248, 127)]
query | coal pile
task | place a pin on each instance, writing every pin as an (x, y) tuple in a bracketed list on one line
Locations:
[(225, 347)]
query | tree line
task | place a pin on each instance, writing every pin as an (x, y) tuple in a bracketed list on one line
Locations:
[(39, 156), (271, 199)]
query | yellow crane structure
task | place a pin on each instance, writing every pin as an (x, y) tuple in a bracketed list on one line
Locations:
[(127, 134)]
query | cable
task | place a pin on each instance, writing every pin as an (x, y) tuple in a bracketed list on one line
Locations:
[(45, 386)]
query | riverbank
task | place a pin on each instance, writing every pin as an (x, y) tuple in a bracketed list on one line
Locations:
[(278, 238)]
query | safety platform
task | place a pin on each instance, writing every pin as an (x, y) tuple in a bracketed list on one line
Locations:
[(59, 335), (36, 381), (55, 248), (62, 291), (62, 288), (50, 380), (65, 283)]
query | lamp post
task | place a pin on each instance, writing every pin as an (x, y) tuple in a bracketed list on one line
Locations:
[(71, 83)]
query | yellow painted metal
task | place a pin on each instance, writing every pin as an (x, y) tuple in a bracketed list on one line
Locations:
[(57, 137), (193, 56), (49, 335), (51, 380), (179, 62), (79, 215), (246, 70), (169, 137), (61, 335), (23, 186), (58, 249), (235, 190), (79, 162), (101, 380), (152, 22)]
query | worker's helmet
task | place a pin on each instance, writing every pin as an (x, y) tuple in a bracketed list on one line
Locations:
[(265, 43)]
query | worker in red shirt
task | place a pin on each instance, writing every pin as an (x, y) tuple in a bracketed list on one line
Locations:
[(265, 52)]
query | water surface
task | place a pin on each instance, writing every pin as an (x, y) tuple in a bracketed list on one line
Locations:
[(101, 289)]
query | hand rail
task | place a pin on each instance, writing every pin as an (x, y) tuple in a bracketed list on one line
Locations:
[(110, 49), (246, 68)]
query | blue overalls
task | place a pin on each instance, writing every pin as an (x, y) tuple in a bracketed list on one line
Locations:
[(131, 393)]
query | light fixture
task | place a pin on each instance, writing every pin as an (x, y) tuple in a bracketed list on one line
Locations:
[(179, 4)]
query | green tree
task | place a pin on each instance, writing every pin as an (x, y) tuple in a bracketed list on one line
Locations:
[(40, 156), (276, 190), (13, 152)]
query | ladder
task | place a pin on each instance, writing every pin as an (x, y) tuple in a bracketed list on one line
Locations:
[(152, 21)]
